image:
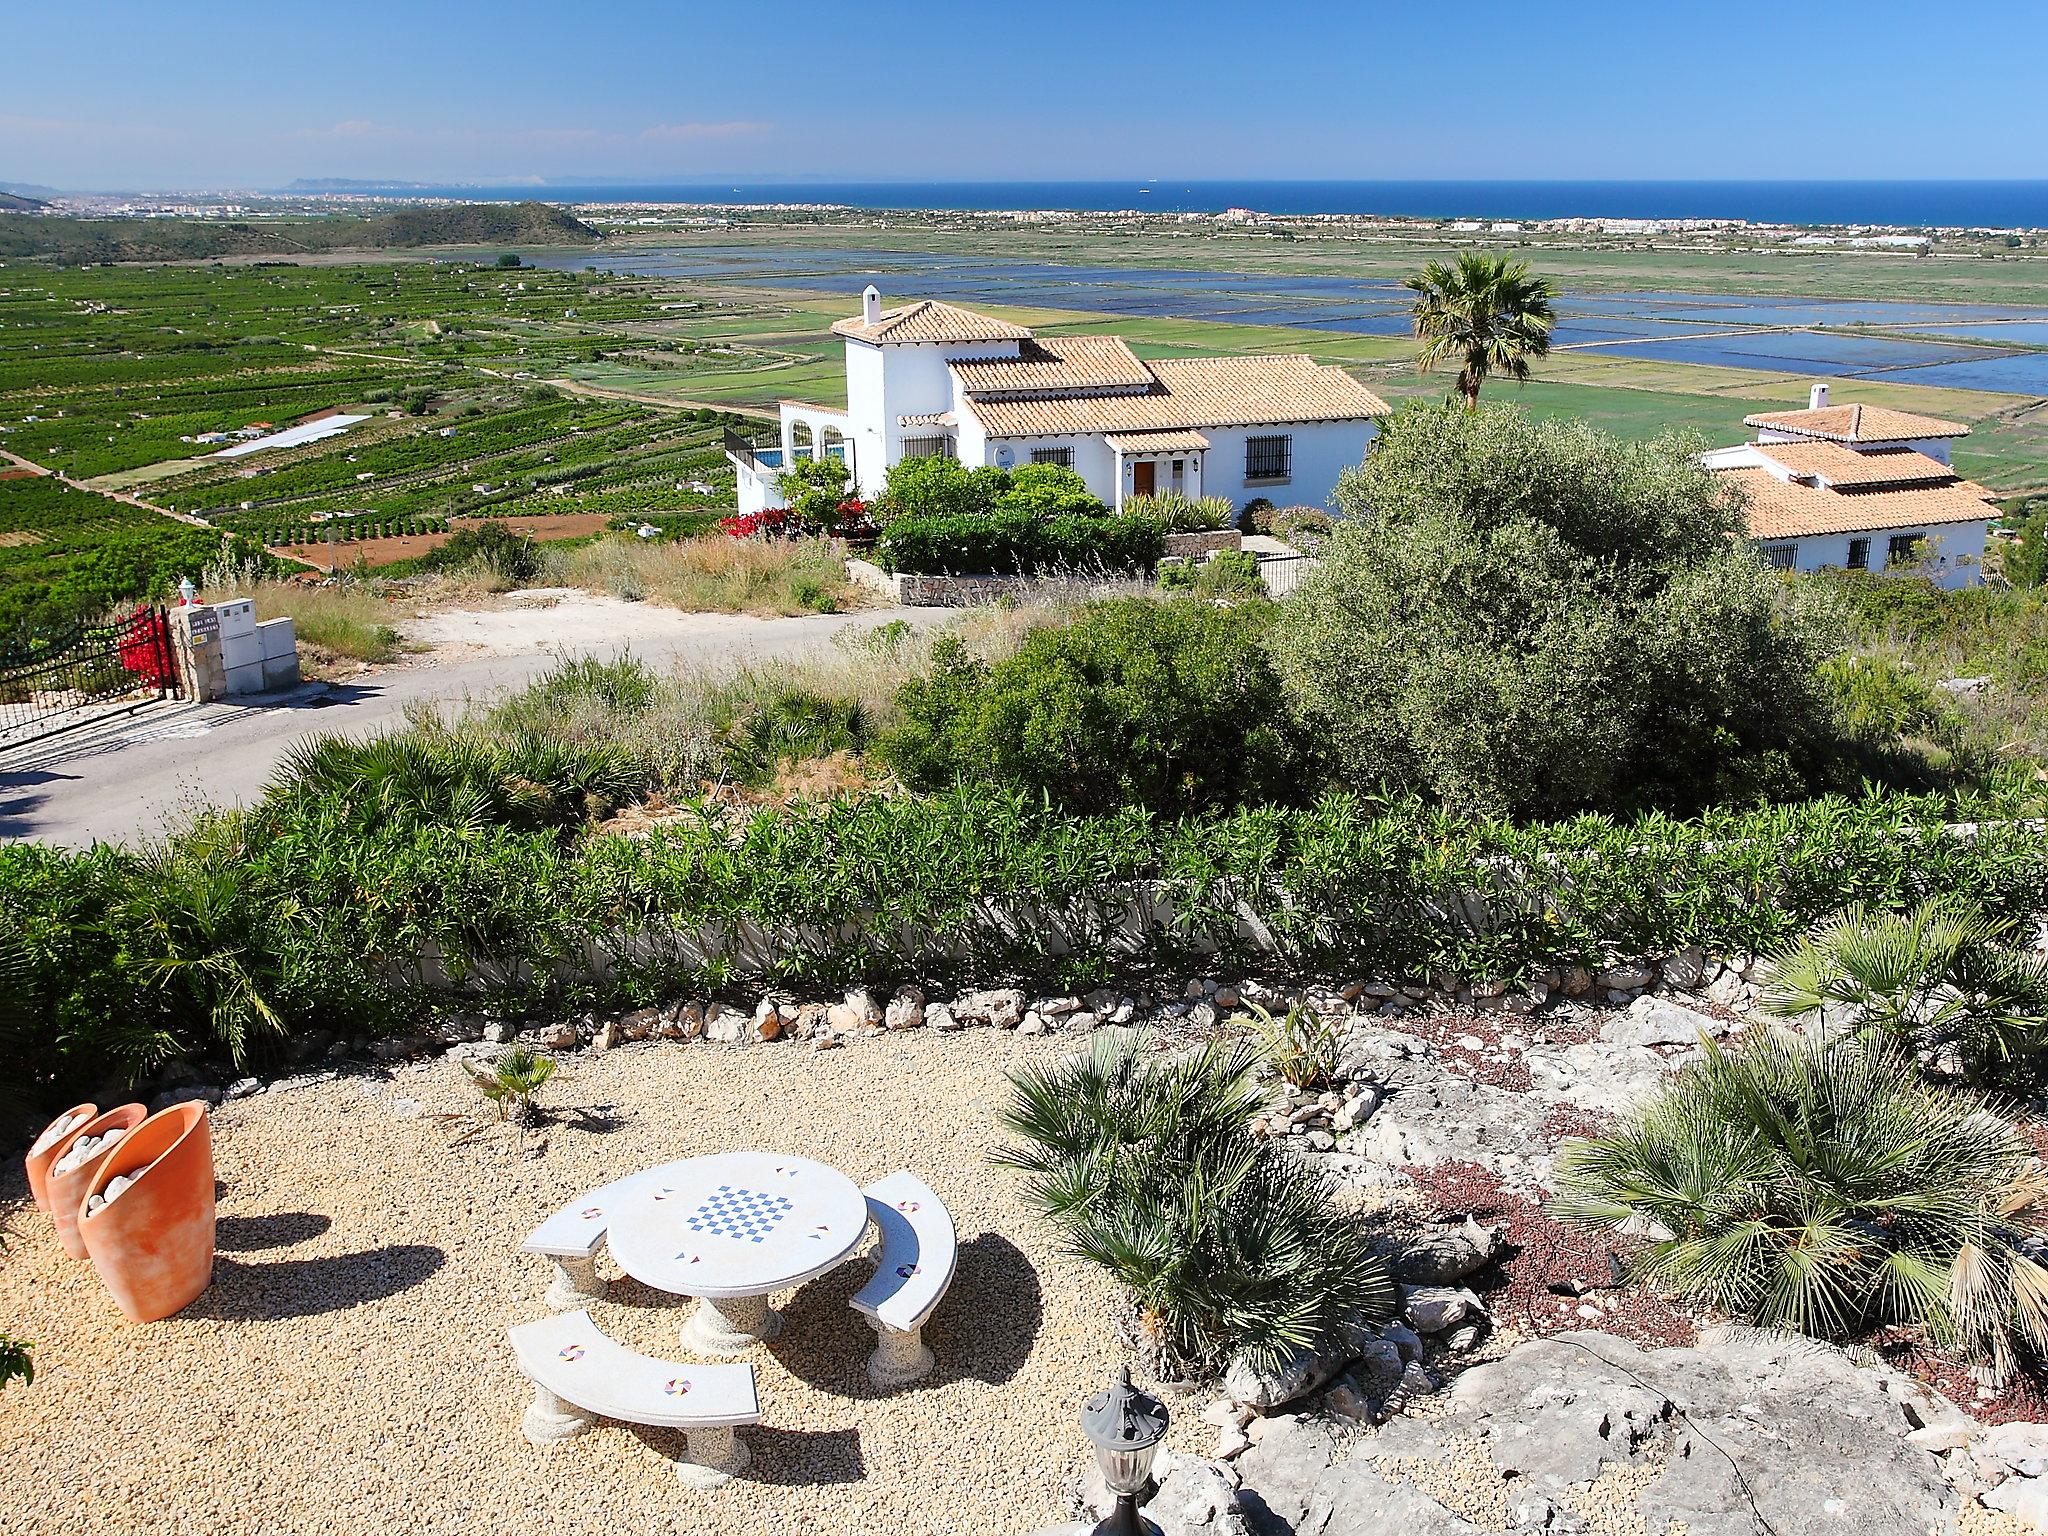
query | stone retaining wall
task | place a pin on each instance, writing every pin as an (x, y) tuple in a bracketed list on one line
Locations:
[(1204, 542)]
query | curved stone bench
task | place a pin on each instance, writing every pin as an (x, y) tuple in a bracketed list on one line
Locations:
[(571, 1237), (581, 1375), (913, 1268)]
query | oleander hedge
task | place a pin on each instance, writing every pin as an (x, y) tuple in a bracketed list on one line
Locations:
[(253, 927), (1019, 543)]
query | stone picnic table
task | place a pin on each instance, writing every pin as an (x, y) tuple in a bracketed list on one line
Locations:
[(732, 1229)]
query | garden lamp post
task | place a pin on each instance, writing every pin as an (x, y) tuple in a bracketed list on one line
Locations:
[(1125, 1427)]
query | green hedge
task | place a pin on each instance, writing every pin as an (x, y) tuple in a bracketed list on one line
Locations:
[(1019, 543), (328, 919)]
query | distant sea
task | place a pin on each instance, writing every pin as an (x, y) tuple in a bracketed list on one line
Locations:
[(1937, 204)]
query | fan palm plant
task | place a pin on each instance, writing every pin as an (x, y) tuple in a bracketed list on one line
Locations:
[(1942, 980), (1146, 1163), (1302, 1045), (1822, 1186), (1486, 313), (514, 1081), (16, 1360)]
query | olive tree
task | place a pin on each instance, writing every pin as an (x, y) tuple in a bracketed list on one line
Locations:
[(1531, 618)]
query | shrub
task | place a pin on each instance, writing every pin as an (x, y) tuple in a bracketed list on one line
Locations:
[(1145, 1163), (945, 488), (509, 558), (1941, 981), (1018, 543), (1169, 704), (938, 487), (1182, 514), (1899, 728), (1047, 490), (813, 491), (1821, 1186), (1229, 573), (1534, 619)]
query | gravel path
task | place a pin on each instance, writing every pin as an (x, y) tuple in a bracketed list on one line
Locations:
[(348, 1371)]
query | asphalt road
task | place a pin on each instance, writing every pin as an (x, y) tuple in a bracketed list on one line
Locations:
[(126, 781)]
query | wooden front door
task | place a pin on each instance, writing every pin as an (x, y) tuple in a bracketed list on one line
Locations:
[(1142, 477)]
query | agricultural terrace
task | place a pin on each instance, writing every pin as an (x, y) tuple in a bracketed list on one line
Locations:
[(130, 381)]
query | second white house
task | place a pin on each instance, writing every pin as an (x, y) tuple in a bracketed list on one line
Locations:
[(930, 380)]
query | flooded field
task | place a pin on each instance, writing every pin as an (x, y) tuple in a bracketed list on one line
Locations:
[(1995, 347)]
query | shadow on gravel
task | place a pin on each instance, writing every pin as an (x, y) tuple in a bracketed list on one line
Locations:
[(309, 1287), (989, 1320), (796, 1458), (247, 1234), (983, 1330)]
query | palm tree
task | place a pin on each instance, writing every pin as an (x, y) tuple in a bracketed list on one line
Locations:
[(1487, 312)]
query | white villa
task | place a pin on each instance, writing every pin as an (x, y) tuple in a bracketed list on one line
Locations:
[(932, 380), (1857, 487)]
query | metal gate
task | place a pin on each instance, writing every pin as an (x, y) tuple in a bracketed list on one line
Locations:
[(53, 681), (1283, 573)]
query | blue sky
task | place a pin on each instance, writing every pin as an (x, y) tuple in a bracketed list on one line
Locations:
[(153, 93)]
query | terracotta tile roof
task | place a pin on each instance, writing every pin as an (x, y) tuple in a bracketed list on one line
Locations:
[(929, 320), (1195, 392), (926, 419), (1858, 424), (1066, 362), (1157, 442), (1840, 466), (1778, 510)]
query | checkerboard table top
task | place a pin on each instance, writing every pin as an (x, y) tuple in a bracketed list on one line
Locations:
[(737, 1224)]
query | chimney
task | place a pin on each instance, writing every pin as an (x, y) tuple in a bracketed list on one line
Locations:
[(1816, 398), (871, 310)]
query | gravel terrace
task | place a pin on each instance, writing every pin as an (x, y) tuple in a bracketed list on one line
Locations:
[(348, 1371)]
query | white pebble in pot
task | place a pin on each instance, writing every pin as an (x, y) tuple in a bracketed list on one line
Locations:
[(63, 1127)]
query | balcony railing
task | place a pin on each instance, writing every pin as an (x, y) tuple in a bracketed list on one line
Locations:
[(765, 458)]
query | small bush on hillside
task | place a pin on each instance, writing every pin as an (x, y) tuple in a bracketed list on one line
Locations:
[(1820, 1186), (509, 558), (1898, 727), (1942, 981), (1146, 1164), (17, 1361), (1168, 704), (527, 779), (1229, 573), (1018, 543), (1529, 618)]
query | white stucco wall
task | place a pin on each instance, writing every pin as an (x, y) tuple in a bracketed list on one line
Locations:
[(907, 380), (1957, 551), (1322, 451), (865, 409)]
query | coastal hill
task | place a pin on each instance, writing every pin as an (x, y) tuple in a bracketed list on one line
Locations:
[(24, 235), (14, 202)]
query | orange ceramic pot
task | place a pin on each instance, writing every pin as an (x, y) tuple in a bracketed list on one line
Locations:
[(153, 1243), (41, 1157), (67, 1189)]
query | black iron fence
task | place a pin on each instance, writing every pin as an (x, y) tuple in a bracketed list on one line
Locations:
[(53, 681), (1283, 573)]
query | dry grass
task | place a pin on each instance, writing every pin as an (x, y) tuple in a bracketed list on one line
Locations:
[(343, 620), (712, 574)]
